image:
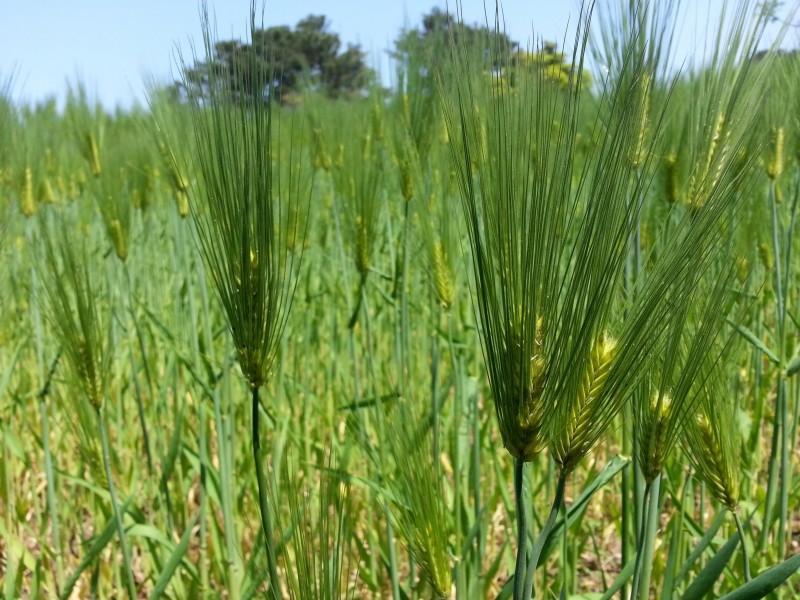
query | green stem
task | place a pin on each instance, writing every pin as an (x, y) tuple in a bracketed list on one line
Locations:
[(628, 515), (783, 408), (51, 489), (390, 542), (232, 555), (266, 520), (459, 570), (203, 450), (772, 481), (403, 291), (52, 505), (139, 402), (435, 395), (776, 250), (644, 553), (522, 528), (351, 323), (392, 551), (126, 556), (234, 565), (745, 556), (476, 488), (533, 561), (778, 460), (186, 280)]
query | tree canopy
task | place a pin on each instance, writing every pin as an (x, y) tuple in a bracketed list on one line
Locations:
[(427, 47), (431, 42), (290, 60)]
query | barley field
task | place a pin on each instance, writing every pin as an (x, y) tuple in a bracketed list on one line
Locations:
[(514, 329)]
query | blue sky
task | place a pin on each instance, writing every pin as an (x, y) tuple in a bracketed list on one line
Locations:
[(114, 46)]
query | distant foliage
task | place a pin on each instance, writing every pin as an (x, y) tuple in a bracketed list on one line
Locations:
[(423, 50), (291, 60), (550, 65), (431, 43)]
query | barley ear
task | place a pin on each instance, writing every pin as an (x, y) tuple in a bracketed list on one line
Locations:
[(72, 307), (711, 439), (773, 165), (574, 441), (27, 202), (711, 462)]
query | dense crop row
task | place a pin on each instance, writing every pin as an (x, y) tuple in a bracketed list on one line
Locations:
[(411, 344)]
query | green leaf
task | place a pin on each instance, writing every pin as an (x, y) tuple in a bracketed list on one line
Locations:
[(494, 568), (98, 545), (174, 560), (7, 374), (508, 589), (709, 575), (793, 367), (16, 447), (144, 531), (174, 447), (621, 580), (754, 340), (701, 546), (766, 582)]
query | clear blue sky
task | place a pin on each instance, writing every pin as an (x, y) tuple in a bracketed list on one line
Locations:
[(114, 46)]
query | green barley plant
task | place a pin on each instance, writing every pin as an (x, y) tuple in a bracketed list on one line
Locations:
[(547, 254), (612, 223), (81, 327), (320, 562), (88, 126), (241, 209), (358, 166), (112, 189), (8, 128), (777, 248), (170, 122), (713, 444), (440, 236), (546, 299), (8, 119), (418, 499), (669, 401)]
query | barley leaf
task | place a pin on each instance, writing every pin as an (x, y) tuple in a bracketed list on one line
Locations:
[(755, 341), (621, 580), (709, 575), (793, 367), (175, 559), (98, 545), (762, 585)]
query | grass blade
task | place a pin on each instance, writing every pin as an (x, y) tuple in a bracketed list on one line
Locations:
[(753, 339), (174, 560), (709, 575), (767, 581), (98, 545)]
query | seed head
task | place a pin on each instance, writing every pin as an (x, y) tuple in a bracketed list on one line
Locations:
[(27, 204), (712, 462), (443, 279), (118, 238), (774, 162), (93, 154), (573, 442), (654, 426)]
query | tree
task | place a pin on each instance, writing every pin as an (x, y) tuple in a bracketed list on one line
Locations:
[(421, 50), (288, 62), (430, 44)]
